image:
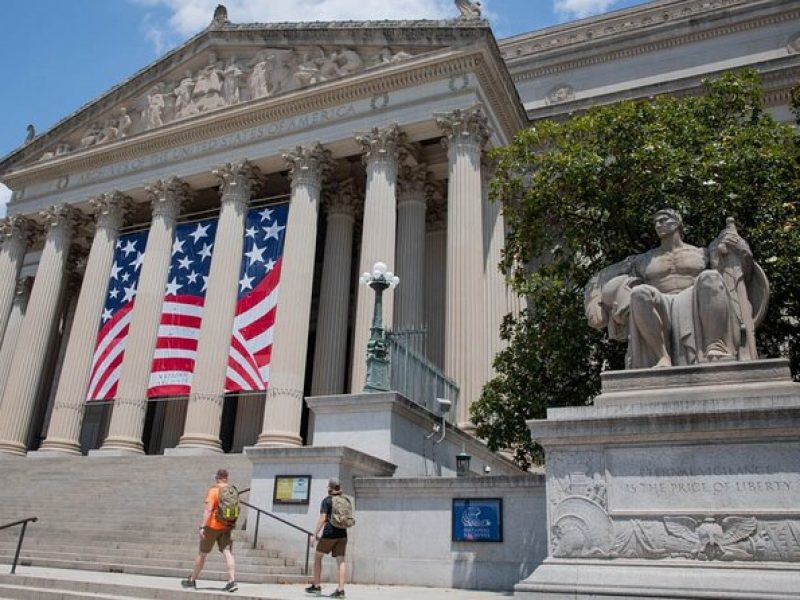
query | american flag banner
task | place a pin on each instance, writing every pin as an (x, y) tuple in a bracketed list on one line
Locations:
[(251, 342), (116, 317), (182, 311)]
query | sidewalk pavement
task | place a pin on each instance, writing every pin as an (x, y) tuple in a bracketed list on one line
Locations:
[(267, 591)]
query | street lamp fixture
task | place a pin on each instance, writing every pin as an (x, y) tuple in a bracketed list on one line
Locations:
[(462, 463), (378, 375)]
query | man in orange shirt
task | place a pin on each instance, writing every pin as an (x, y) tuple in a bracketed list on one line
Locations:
[(214, 531)]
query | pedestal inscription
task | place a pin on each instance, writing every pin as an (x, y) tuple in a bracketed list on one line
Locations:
[(690, 479)]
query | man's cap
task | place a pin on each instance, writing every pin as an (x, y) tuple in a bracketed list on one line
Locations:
[(333, 483), (222, 474)]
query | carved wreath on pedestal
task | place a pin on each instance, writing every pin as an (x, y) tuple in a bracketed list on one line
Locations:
[(581, 527)]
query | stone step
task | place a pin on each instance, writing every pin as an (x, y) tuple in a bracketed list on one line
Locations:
[(214, 571), (67, 546), (164, 559), (30, 587), (246, 555)]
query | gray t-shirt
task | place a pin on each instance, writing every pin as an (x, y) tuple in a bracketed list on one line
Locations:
[(329, 531)]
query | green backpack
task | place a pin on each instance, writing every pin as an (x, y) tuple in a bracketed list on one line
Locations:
[(342, 512), (228, 504)]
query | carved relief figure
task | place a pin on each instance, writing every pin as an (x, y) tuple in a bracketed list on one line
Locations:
[(155, 113), (207, 91), (385, 56), (183, 97), (91, 136), (678, 304), (259, 75), (231, 77)]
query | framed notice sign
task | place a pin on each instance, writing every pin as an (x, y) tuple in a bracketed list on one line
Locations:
[(291, 489), (477, 519)]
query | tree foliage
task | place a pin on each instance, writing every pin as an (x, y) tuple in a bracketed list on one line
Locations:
[(579, 195)]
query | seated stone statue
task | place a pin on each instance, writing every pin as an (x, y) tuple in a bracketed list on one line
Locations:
[(678, 304)]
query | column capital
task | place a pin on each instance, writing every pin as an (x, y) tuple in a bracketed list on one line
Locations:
[(464, 128), (168, 195), (382, 145), (411, 182), (238, 181), (17, 228), (110, 209), (61, 220), (343, 199), (436, 216), (309, 165)]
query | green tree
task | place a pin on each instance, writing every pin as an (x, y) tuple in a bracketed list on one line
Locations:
[(579, 195)]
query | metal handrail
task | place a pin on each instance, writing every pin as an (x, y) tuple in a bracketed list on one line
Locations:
[(259, 512), (24, 523)]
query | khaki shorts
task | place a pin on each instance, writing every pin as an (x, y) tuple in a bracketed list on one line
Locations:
[(333, 546), (221, 536)]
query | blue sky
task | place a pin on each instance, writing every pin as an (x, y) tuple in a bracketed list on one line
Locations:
[(61, 54)]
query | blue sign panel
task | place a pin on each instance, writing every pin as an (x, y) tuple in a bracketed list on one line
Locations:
[(477, 519)]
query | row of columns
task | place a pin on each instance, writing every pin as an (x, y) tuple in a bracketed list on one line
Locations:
[(395, 211)]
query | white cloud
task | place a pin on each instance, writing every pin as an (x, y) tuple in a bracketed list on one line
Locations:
[(187, 17), (577, 9), (5, 196)]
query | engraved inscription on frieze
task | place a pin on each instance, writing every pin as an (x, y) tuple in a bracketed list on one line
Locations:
[(686, 479)]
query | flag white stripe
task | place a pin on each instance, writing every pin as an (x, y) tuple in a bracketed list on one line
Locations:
[(114, 352)]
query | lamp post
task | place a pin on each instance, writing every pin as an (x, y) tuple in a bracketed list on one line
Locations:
[(378, 376), (462, 463)]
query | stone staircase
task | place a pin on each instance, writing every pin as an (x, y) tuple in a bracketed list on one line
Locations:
[(134, 515)]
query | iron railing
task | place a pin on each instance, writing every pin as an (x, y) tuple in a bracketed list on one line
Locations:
[(417, 378), (260, 511), (24, 523)]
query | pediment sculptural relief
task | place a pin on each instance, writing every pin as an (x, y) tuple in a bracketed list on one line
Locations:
[(225, 82)]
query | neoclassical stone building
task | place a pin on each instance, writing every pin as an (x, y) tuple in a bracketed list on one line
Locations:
[(375, 134)]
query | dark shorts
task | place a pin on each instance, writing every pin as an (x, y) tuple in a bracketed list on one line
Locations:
[(333, 546), (222, 537)]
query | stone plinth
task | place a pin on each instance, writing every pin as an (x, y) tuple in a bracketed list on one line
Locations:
[(391, 427), (679, 483)]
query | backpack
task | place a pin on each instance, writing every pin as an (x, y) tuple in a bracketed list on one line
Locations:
[(341, 512), (228, 504)]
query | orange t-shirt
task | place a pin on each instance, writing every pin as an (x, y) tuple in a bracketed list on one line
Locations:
[(213, 499)]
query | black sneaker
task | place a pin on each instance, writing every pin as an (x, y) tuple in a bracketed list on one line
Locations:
[(314, 590), (189, 583), (230, 587), (338, 594)]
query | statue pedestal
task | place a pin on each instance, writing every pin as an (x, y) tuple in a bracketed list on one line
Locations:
[(678, 483)]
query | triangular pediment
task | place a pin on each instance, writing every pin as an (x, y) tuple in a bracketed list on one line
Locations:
[(227, 65)]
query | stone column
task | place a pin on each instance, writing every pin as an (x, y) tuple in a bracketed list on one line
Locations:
[(495, 288), (411, 207), (381, 155), (204, 412), (64, 432), (130, 405), (30, 353), (54, 365), (465, 134), (19, 305), (15, 232), (334, 293), (435, 270), (284, 403)]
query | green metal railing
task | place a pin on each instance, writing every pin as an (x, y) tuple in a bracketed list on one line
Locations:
[(260, 511), (417, 378)]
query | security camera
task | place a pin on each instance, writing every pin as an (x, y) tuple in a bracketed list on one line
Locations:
[(487, 469), (444, 404)]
